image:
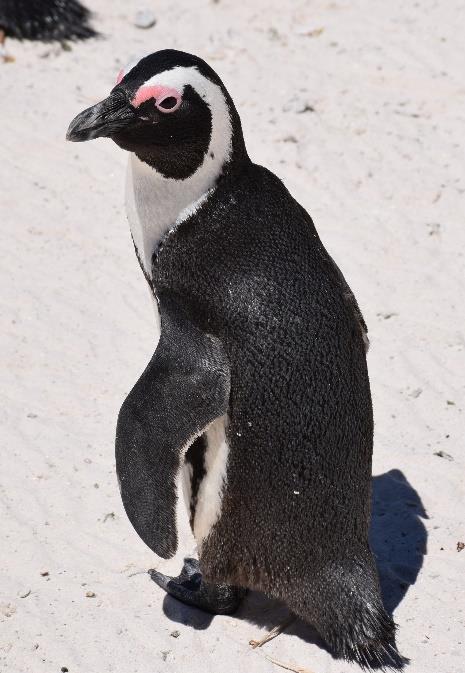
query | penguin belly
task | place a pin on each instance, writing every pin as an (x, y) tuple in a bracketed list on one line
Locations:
[(211, 487), (204, 478)]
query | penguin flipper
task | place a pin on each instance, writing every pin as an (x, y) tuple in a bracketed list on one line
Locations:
[(183, 389)]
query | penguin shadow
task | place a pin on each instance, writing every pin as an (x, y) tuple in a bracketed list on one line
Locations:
[(398, 536), (398, 540)]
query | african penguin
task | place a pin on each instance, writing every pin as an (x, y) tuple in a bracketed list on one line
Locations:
[(258, 388), (45, 20)]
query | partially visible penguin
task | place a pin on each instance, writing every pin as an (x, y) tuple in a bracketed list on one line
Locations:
[(258, 388), (43, 20)]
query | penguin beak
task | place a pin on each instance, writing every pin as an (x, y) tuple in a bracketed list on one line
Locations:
[(102, 120)]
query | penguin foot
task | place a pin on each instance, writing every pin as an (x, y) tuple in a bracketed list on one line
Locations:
[(188, 587)]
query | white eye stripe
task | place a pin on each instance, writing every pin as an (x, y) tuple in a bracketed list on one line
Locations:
[(178, 78), (221, 139)]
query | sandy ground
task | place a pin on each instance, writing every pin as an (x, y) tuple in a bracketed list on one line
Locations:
[(359, 107)]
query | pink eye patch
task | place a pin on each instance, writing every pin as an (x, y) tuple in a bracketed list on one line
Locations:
[(166, 98)]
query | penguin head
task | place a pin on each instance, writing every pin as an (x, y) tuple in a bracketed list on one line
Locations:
[(171, 110)]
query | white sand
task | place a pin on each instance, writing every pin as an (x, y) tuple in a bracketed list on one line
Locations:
[(380, 166)]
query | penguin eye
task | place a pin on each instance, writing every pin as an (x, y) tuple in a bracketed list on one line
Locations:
[(168, 104)]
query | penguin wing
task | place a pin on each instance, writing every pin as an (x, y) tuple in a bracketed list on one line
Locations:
[(183, 389)]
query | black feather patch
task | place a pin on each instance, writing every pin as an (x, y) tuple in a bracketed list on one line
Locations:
[(45, 20)]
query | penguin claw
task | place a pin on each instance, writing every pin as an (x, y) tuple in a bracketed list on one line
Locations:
[(189, 588)]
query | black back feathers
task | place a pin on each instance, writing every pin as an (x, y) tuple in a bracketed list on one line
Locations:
[(45, 20)]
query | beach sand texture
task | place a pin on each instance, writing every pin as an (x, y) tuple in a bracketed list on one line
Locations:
[(360, 108)]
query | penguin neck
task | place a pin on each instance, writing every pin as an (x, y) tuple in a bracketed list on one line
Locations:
[(156, 204)]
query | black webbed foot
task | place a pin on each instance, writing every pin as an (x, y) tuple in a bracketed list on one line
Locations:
[(188, 587)]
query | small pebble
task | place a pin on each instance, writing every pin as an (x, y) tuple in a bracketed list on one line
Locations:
[(175, 634), (63, 669), (44, 573), (460, 546), (443, 454), (144, 18), (306, 108), (309, 32), (90, 594)]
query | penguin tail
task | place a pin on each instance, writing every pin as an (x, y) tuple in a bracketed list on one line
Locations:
[(343, 602), (368, 638)]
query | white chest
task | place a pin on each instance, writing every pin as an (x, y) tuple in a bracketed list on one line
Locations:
[(155, 204)]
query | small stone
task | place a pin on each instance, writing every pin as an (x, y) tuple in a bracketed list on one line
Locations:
[(63, 669), (309, 32), (7, 609), (90, 594), (175, 634), (44, 573), (31, 415), (416, 393), (25, 594), (451, 403), (443, 454), (460, 546), (306, 108), (144, 18), (273, 34)]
